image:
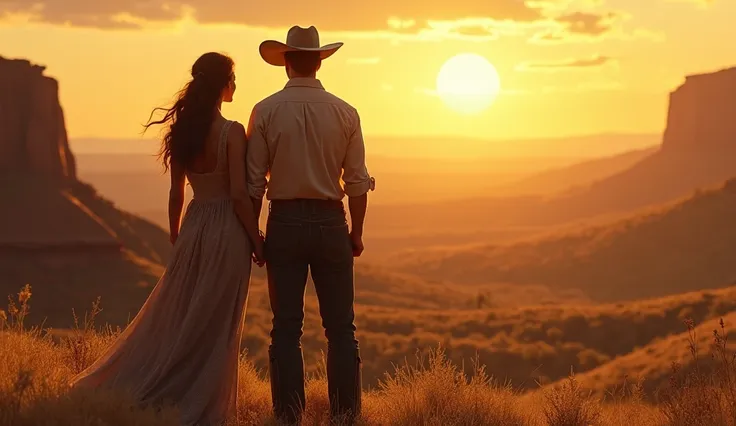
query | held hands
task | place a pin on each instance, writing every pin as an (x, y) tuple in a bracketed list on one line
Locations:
[(258, 251)]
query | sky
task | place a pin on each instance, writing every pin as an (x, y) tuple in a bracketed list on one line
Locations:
[(567, 67)]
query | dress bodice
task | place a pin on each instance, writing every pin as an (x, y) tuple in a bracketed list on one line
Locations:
[(214, 184)]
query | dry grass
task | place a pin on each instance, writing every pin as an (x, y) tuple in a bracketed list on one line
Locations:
[(568, 405), (35, 369), (704, 395)]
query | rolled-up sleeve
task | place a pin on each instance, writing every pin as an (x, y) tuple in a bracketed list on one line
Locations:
[(257, 156), (355, 172)]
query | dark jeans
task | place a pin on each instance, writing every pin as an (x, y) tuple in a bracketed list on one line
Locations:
[(304, 235)]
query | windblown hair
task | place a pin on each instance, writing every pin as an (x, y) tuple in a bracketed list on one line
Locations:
[(190, 118)]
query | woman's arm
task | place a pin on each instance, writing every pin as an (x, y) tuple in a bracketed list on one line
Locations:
[(239, 187), (176, 200)]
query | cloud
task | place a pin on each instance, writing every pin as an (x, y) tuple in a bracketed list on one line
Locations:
[(328, 15), (93, 13), (470, 29), (580, 26), (588, 23), (475, 31), (595, 61)]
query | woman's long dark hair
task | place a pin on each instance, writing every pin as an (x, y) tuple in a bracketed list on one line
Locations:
[(190, 118)]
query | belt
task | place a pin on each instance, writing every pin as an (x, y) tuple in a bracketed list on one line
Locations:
[(302, 203)]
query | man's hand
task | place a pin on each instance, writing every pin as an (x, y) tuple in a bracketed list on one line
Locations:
[(358, 206), (356, 239)]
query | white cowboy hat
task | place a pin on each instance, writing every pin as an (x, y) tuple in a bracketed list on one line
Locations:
[(298, 39)]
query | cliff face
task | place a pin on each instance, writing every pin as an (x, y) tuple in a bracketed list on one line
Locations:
[(56, 232), (702, 115), (33, 136), (698, 151), (37, 169)]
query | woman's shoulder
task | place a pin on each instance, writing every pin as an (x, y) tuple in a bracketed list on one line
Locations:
[(236, 130), (236, 126)]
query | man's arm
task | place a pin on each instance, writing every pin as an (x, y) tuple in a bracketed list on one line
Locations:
[(257, 161), (357, 184), (358, 207), (239, 188), (258, 206)]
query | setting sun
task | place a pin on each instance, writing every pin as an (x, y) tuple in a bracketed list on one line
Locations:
[(468, 83)]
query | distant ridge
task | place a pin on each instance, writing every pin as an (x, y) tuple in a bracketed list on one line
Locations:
[(451, 148), (575, 177)]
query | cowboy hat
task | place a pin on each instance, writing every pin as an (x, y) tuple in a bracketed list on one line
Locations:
[(298, 39)]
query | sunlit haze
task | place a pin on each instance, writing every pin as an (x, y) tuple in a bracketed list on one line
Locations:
[(567, 67)]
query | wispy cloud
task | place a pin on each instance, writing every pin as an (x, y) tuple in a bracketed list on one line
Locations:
[(595, 61), (588, 27), (588, 23), (580, 25)]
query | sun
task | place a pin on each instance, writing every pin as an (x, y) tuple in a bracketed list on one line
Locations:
[(468, 83)]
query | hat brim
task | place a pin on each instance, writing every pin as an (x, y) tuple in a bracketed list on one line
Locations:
[(272, 51)]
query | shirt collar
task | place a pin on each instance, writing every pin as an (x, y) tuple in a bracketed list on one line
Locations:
[(304, 82)]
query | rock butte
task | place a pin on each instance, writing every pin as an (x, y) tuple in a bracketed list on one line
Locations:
[(57, 233), (37, 169), (33, 139), (698, 150), (702, 114)]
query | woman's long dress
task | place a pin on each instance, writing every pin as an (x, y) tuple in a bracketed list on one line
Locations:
[(183, 345)]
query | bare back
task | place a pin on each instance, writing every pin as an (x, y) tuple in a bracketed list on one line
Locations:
[(206, 162), (209, 176)]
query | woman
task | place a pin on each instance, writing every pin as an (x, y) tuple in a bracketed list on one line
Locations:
[(183, 345)]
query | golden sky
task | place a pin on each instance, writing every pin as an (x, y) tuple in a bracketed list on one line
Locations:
[(566, 66)]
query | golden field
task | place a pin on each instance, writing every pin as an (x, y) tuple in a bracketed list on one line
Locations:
[(35, 368)]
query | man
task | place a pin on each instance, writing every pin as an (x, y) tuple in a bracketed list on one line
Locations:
[(307, 141)]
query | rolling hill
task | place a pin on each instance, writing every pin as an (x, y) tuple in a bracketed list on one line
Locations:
[(686, 246), (654, 363), (85, 248)]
